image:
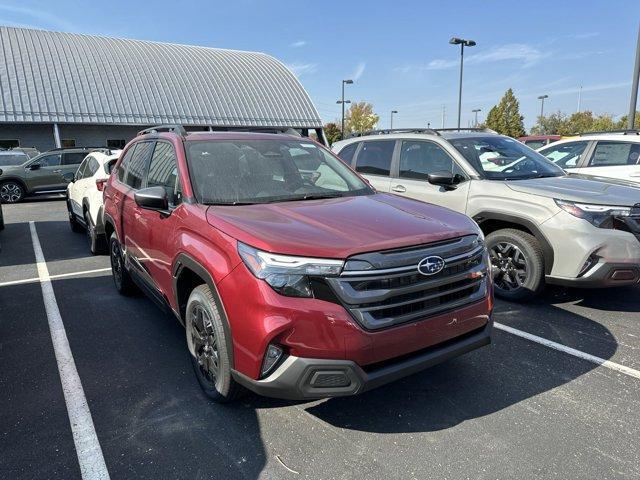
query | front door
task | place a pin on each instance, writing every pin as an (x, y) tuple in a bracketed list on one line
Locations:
[(45, 173)]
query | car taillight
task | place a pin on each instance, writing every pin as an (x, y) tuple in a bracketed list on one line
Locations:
[(100, 184)]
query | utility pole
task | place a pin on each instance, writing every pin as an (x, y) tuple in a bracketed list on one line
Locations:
[(579, 98), (463, 43), (392, 112), (476, 110), (342, 102), (541, 98), (443, 115), (634, 87)]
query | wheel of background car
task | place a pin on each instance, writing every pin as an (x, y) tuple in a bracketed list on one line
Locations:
[(96, 244), (207, 345), (517, 263), (73, 221), (11, 192), (121, 278)]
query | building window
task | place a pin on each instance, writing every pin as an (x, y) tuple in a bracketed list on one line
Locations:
[(9, 143), (116, 144), (68, 143)]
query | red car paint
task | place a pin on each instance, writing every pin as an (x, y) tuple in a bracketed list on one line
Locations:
[(329, 228)]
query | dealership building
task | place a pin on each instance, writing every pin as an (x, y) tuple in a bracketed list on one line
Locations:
[(63, 90)]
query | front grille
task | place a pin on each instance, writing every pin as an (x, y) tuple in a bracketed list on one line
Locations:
[(389, 290)]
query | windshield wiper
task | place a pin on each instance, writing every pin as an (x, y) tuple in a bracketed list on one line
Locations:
[(311, 196)]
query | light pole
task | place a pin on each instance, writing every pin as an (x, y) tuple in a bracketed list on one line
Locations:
[(463, 43), (476, 110), (634, 87), (541, 98), (392, 112), (342, 102)]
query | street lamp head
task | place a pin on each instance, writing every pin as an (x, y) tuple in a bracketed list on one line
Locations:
[(456, 41), (476, 110), (348, 82), (542, 97), (394, 111), (469, 43), (341, 102)]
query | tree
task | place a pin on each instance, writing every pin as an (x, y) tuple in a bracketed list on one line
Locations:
[(360, 118), (560, 124), (505, 117), (551, 124), (622, 123), (333, 133)]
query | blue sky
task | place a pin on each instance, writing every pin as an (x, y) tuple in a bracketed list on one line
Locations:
[(397, 52)]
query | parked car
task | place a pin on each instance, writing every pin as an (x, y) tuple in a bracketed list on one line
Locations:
[(11, 157), (48, 172), (293, 277), (537, 141), (611, 155), (541, 225), (1, 217), (84, 197)]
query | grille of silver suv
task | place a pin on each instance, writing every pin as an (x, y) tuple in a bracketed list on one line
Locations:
[(383, 289)]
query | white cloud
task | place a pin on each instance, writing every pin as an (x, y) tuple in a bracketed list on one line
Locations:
[(39, 17), (299, 69), (526, 54), (357, 73), (298, 44)]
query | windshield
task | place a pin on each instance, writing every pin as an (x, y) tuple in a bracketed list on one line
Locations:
[(11, 159), (503, 158), (232, 172)]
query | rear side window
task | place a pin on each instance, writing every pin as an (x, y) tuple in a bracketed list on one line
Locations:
[(375, 157), (92, 167), (418, 159), (137, 164), (73, 158), (615, 153), (163, 171), (346, 154)]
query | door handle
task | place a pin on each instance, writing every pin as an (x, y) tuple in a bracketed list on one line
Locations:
[(399, 189)]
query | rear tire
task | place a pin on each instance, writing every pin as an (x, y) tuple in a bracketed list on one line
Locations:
[(73, 221), (517, 263), (96, 241), (121, 278), (11, 192), (207, 343)]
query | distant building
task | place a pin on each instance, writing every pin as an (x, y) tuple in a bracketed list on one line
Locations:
[(63, 89)]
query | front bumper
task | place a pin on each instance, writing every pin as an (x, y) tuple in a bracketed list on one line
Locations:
[(300, 378)]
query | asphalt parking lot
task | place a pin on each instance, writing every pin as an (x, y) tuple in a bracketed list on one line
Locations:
[(516, 409)]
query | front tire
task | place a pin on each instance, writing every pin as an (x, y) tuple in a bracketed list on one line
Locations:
[(121, 278), (207, 343), (73, 221), (518, 264), (11, 192)]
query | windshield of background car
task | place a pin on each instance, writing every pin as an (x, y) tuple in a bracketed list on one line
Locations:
[(12, 159), (231, 172), (503, 158)]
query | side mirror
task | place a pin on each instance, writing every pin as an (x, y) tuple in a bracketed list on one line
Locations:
[(153, 198), (34, 166), (443, 179)]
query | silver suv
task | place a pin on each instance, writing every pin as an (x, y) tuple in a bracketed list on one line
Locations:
[(541, 225)]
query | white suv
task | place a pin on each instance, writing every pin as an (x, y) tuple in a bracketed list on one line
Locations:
[(84, 196), (610, 155)]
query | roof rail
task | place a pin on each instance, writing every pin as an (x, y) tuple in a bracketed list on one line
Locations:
[(387, 131), (179, 129), (462, 129), (603, 132), (76, 148)]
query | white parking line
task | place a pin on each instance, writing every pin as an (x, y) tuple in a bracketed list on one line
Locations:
[(571, 351), (54, 277), (92, 465)]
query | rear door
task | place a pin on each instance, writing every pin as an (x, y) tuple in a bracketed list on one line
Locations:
[(373, 160), (70, 163), (74, 188), (417, 159), (615, 159), (48, 176)]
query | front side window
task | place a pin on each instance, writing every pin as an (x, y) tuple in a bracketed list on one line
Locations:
[(419, 158), (137, 164), (566, 155), (503, 158), (124, 164), (163, 170), (610, 154), (347, 152), (264, 171), (375, 157), (49, 160)]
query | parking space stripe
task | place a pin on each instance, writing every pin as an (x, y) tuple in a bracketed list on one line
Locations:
[(571, 351), (54, 277), (89, 452)]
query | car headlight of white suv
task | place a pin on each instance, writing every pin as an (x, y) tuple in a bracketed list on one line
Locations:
[(601, 216)]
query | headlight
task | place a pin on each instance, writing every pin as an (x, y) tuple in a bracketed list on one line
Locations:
[(286, 274), (602, 216)]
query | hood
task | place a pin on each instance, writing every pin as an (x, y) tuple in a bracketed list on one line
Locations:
[(580, 188), (339, 227)]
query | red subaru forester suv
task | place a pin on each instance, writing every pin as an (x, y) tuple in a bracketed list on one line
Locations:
[(293, 277)]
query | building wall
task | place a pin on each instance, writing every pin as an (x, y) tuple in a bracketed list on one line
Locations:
[(40, 136)]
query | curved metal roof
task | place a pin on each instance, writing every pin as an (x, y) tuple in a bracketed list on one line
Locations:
[(70, 78)]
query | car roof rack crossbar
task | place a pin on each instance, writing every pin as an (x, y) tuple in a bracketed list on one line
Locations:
[(387, 131), (179, 129), (604, 132)]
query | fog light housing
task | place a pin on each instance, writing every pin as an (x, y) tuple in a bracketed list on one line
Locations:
[(588, 264), (271, 359)]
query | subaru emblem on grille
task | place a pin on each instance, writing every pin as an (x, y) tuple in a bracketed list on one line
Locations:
[(431, 265)]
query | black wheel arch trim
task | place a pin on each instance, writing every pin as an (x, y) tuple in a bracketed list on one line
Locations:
[(185, 261), (547, 249)]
